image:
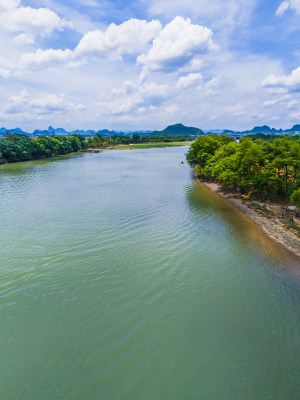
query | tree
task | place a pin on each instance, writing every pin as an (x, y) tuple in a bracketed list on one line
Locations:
[(295, 198)]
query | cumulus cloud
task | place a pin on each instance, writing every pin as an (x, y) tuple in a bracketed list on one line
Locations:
[(9, 4), (285, 5), (24, 38), (44, 58), (176, 45), (180, 45), (185, 82), (27, 20), (16, 102), (132, 98), (284, 101), (130, 37), (29, 62), (41, 104), (290, 82)]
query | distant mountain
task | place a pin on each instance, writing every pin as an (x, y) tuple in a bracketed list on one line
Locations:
[(84, 133), (179, 129), (228, 132), (57, 131), (38, 132), (3, 131), (264, 129), (295, 128), (213, 131)]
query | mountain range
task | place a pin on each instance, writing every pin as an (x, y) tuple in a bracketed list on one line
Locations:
[(176, 129)]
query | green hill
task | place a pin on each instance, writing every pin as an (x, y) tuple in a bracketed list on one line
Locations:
[(179, 129)]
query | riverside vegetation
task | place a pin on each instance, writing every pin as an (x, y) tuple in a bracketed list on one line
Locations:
[(266, 167), (20, 147), (271, 168), (259, 175)]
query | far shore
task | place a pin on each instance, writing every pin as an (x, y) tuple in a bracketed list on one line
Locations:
[(267, 217), (139, 146)]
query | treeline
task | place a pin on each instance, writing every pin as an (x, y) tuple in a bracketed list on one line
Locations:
[(270, 167), (272, 136), (19, 147), (102, 141)]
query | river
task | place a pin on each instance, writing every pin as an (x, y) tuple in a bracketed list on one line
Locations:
[(121, 278)]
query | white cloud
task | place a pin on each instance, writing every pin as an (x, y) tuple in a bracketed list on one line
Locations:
[(291, 81), (32, 21), (127, 88), (236, 110), (220, 12), (24, 38), (269, 103), (277, 90), (185, 82), (295, 116), (292, 105), (9, 4), (172, 109), (284, 101), (177, 45), (131, 98), (282, 8), (29, 62), (43, 58), (285, 5), (143, 75), (16, 102), (130, 37), (41, 104)]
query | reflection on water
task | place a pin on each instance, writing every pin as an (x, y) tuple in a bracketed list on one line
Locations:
[(203, 200), (121, 278)]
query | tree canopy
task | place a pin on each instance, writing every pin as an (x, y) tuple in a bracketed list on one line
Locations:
[(270, 167), (19, 147)]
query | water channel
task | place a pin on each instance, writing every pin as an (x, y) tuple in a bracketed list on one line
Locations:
[(121, 278)]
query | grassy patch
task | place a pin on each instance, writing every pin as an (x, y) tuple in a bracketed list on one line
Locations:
[(147, 145)]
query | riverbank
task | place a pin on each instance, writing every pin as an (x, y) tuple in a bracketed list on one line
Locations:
[(139, 146), (270, 217)]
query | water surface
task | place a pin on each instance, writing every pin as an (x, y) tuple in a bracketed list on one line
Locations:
[(122, 279)]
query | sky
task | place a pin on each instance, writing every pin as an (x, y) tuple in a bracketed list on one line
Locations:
[(146, 64)]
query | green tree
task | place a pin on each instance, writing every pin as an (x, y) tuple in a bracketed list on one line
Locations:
[(295, 197)]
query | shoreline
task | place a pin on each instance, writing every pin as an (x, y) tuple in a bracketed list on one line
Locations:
[(273, 228), (133, 146)]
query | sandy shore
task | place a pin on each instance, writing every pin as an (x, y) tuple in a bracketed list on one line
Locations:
[(273, 227)]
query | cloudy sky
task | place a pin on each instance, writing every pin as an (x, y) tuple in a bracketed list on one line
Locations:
[(144, 64)]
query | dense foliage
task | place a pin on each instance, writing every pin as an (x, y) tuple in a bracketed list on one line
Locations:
[(270, 137), (19, 147), (271, 168), (100, 140)]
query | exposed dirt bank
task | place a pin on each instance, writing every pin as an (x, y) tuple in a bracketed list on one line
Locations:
[(279, 224)]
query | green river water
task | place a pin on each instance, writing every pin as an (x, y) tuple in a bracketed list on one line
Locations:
[(121, 278)]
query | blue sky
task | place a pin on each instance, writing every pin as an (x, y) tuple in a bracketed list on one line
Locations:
[(145, 64)]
